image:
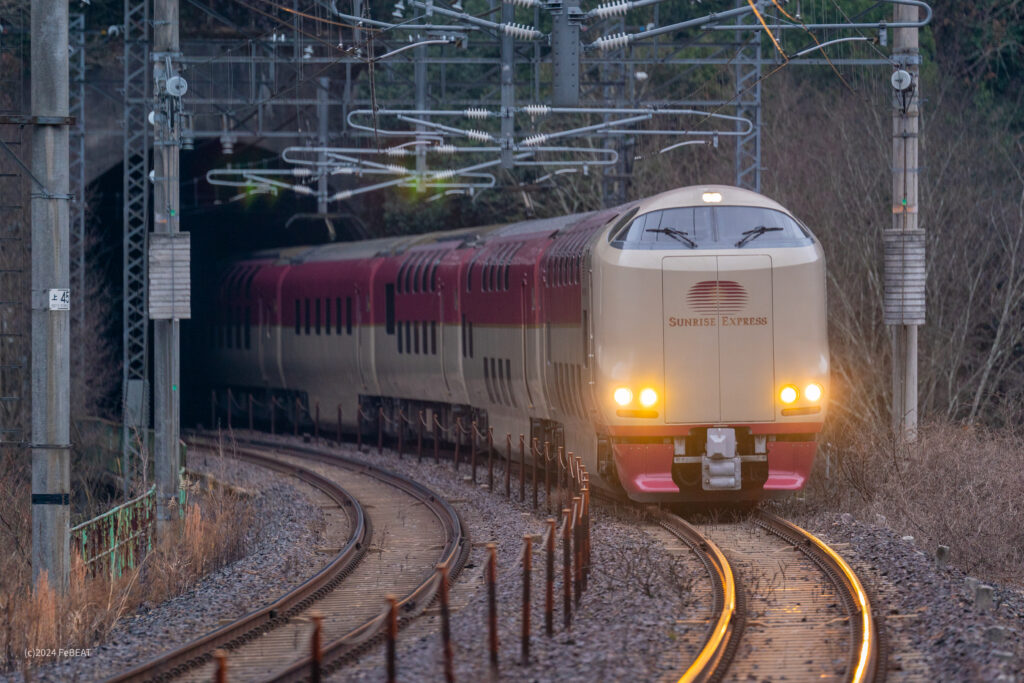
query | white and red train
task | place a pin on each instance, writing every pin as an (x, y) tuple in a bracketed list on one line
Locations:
[(677, 343)]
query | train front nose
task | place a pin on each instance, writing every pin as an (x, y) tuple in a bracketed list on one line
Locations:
[(718, 338)]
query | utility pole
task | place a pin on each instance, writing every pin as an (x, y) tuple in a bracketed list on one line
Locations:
[(50, 296), (168, 259), (904, 243)]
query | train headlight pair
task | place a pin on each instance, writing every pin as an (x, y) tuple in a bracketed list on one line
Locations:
[(624, 396), (789, 393)]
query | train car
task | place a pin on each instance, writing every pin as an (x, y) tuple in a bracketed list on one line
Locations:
[(677, 343)]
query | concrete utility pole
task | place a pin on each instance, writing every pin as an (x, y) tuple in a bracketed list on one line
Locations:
[(168, 258), (904, 243), (51, 318)]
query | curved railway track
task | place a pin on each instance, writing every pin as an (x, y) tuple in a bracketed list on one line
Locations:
[(774, 616), (399, 531)]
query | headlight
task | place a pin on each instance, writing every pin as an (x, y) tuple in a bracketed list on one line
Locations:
[(648, 397), (813, 392), (788, 394), (623, 396)]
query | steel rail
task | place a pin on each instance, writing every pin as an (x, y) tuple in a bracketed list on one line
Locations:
[(864, 659), (200, 651), (724, 634), (454, 554)]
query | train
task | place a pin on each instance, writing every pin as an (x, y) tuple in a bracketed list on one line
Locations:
[(676, 343)]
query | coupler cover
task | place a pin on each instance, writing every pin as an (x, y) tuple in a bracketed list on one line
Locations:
[(720, 465)]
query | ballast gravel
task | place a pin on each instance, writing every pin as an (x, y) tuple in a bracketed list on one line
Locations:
[(934, 628), (282, 554)]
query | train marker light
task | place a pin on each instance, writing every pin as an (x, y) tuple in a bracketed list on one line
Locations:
[(648, 397), (813, 392), (711, 197), (788, 394), (623, 396)]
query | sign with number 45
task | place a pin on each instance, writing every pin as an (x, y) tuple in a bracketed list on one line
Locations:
[(59, 300)]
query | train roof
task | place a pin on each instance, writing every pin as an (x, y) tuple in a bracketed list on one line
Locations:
[(694, 195)]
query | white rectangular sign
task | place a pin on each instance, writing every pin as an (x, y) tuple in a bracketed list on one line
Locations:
[(59, 300)]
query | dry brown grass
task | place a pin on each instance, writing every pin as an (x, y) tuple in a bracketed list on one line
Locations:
[(212, 534), (957, 485)]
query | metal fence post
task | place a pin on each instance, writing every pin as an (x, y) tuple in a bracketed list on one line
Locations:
[(472, 451), (522, 468), (316, 652), (547, 475), (527, 562), (492, 605), (534, 452), (222, 666), (567, 568), (446, 633), (392, 635), (577, 580), (549, 590)]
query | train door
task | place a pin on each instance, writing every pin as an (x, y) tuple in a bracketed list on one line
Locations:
[(690, 328), (746, 376)]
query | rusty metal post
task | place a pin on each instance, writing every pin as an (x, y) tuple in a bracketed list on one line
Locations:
[(508, 465), (250, 412), (222, 666), (547, 475), (586, 529), (298, 413), (380, 429), (579, 474), (490, 459), (273, 414), (419, 437), (446, 633), (563, 494), (492, 605), (213, 408), (401, 433), (437, 441), (527, 562), (392, 635), (338, 434), (567, 568), (549, 589), (458, 438), (231, 402), (577, 549), (522, 469), (316, 651), (534, 452), (472, 450), (316, 424)]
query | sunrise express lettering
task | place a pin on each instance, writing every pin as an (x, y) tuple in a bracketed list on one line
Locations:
[(712, 321)]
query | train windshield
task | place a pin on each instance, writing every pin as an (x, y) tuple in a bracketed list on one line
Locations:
[(718, 227)]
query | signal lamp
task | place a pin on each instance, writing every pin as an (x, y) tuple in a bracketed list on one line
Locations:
[(788, 394), (623, 396), (711, 197), (648, 397), (813, 392)]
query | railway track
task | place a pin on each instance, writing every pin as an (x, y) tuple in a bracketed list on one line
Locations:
[(399, 531), (785, 605)]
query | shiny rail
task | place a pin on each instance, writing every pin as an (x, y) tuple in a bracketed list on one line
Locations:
[(864, 657), (200, 651)]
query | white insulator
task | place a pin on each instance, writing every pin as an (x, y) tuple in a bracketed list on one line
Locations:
[(443, 175), (478, 135), (611, 9), (534, 140), (300, 172), (476, 113), (520, 31), (536, 109), (396, 151), (523, 3), (395, 168), (443, 149), (616, 40)]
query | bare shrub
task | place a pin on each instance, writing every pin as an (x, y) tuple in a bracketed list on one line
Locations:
[(957, 485), (212, 534)]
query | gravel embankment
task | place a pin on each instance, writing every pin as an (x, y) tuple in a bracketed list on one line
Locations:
[(643, 606), (282, 555), (935, 630)]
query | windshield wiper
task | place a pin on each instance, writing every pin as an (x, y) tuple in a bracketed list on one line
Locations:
[(755, 233), (678, 234)]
